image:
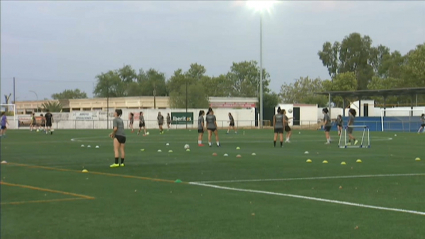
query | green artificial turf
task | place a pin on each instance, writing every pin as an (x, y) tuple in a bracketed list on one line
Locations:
[(141, 200)]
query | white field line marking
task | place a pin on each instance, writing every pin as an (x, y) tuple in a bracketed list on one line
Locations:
[(312, 178), (311, 198)]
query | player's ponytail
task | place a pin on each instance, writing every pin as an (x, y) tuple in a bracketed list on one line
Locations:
[(353, 112), (201, 112), (278, 110), (325, 110)]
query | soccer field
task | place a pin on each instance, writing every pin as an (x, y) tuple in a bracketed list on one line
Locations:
[(273, 194)]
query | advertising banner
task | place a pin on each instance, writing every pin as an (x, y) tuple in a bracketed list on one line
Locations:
[(181, 117)]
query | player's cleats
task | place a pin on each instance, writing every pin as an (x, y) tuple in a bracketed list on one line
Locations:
[(201, 145), (115, 165), (355, 142), (122, 165)]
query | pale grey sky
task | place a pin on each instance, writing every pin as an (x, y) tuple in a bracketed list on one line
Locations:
[(55, 45)]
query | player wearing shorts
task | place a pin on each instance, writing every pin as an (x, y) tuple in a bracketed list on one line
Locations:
[(160, 119), (33, 122), (278, 127), (421, 129), (351, 118), (131, 118), (339, 123), (43, 123), (4, 124), (168, 121), (327, 124), (201, 126), (49, 121), (212, 127), (118, 135), (287, 128), (231, 123), (141, 124)]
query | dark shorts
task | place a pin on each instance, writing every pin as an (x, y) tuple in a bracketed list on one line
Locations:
[(200, 131), (121, 139), (287, 128), (327, 128), (48, 124), (131, 121), (212, 130), (350, 130), (232, 123), (339, 125), (168, 122), (422, 125), (3, 127), (278, 131), (160, 124), (33, 123), (141, 125)]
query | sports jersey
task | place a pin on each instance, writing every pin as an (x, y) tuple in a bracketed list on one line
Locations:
[(339, 121), (231, 119), (168, 119), (286, 120), (279, 121), (119, 124), (3, 120), (49, 117), (142, 119), (423, 119), (160, 119), (351, 120), (211, 122), (200, 122), (327, 119)]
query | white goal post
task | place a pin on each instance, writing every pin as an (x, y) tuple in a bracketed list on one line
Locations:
[(14, 124), (363, 143), (403, 119)]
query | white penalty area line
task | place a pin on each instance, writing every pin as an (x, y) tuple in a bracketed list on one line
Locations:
[(311, 198), (312, 178)]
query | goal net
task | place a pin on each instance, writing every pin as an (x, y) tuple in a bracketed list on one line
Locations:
[(354, 136), (401, 119), (10, 110)]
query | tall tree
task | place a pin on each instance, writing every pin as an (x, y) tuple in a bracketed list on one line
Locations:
[(414, 69), (70, 94), (219, 86), (245, 79), (342, 82), (354, 54), (109, 84), (303, 91)]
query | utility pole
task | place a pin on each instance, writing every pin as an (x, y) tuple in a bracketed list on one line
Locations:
[(107, 105), (186, 103)]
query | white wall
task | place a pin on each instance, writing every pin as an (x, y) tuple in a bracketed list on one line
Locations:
[(98, 119), (308, 114)]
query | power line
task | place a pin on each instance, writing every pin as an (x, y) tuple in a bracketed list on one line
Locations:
[(60, 81)]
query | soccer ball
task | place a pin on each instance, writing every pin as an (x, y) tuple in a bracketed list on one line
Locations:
[(147, 133), (186, 146)]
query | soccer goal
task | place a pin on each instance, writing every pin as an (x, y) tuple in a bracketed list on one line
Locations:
[(401, 119), (359, 132), (11, 111)]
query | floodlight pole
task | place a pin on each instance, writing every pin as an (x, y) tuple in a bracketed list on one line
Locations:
[(261, 70)]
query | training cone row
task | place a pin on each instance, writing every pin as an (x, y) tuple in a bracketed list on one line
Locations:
[(344, 163), (88, 146)]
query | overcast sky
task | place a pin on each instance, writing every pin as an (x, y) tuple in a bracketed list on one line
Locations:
[(54, 45)]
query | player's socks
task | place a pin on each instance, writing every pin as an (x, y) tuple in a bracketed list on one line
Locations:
[(209, 144), (274, 143), (218, 144), (281, 144), (199, 141), (116, 160), (122, 160)]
